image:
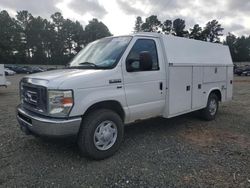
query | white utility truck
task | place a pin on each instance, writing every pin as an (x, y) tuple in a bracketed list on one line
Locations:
[(3, 81), (118, 80)]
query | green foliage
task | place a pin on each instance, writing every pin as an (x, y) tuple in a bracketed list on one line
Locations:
[(243, 48), (95, 30), (9, 38), (231, 41), (179, 28), (29, 39), (239, 47), (138, 24), (34, 40), (196, 33), (167, 27), (213, 31), (152, 24)]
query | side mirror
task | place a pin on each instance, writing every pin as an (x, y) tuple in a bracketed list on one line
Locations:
[(144, 62), (132, 65)]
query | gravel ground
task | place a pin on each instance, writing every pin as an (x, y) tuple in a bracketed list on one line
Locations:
[(180, 152)]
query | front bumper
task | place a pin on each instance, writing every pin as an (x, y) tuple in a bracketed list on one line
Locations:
[(32, 123), (6, 84)]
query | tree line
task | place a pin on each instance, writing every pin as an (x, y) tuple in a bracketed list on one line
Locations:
[(26, 39), (239, 46)]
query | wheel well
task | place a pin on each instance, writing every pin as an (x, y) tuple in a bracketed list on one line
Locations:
[(217, 93), (111, 105)]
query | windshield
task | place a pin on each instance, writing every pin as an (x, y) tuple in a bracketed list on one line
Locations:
[(104, 53)]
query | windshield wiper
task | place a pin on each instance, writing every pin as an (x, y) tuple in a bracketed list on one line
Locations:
[(89, 63), (86, 65)]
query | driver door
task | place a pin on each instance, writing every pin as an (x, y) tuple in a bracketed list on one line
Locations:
[(144, 89)]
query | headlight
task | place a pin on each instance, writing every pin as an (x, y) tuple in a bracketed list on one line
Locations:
[(60, 102)]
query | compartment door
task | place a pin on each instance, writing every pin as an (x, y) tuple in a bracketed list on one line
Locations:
[(229, 95), (214, 74), (180, 86), (197, 95)]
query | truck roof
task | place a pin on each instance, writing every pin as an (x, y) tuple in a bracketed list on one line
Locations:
[(180, 50)]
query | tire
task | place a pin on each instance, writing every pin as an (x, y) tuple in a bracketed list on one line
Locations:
[(209, 113), (101, 134)]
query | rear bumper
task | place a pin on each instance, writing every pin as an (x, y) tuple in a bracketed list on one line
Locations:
[(32, 123)]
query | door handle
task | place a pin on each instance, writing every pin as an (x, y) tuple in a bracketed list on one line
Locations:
[(160, 86), (199, 86)]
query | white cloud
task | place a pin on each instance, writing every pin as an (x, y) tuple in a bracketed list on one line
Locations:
[(129, 8), (91, 7), (117, 21), (119, 15), (42, 8)]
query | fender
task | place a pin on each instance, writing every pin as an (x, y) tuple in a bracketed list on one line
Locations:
[(214, 89), (85, 98)]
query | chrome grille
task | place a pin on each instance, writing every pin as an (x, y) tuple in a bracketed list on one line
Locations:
[(30, 95), (34, 97)]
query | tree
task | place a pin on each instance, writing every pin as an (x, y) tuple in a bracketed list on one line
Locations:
[(179, 28), (138, 24), (37, 39), (239, 47), (68, 30), (242, 48), (212, 31), (48, 36), (23, 20), (78, 36), (9, 38), (152, 24), (231, 41), (58, 48), (167, 27), (57, 20), (29, 39), (196, 33), (95, 30)]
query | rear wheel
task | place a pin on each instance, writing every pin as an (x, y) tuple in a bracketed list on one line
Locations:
[(211, 109), (101, 134)]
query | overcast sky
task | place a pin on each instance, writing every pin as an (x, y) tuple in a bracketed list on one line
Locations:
[(119, 15)]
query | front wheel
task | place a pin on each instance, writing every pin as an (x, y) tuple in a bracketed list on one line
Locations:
[(211, 109), (101, 134)]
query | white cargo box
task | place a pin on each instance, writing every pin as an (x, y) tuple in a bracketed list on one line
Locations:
[(194, 68)]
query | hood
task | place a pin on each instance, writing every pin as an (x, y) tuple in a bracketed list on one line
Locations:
[(74, 78)]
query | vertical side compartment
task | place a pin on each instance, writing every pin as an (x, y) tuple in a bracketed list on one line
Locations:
[(229, 93), (180, 89), (198, 99)]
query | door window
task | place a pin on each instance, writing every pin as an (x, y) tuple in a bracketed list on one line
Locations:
[(142, 46)]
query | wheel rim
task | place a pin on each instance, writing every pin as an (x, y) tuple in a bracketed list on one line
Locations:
[(105, 135), (212, 107)]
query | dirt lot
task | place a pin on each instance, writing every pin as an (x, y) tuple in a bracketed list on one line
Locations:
[(179, 152)]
